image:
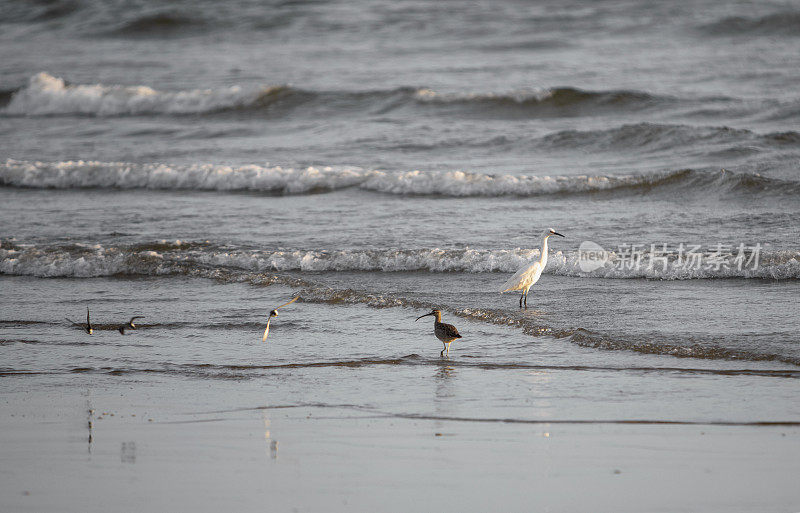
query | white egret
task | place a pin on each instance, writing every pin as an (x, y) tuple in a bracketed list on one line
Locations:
[(447, 333), (525, 278), (274, 313), (130, 324)]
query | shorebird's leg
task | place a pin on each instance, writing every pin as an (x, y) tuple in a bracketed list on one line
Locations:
[(445, 347), (448, 348)]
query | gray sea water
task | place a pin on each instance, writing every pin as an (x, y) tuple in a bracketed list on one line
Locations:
[(200, 163)]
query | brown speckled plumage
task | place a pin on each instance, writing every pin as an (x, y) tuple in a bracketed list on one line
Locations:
[(447, 333)]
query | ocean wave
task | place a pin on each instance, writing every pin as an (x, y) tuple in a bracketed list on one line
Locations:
[(285, 180), (661, 137), (160, 24), (201, 177), (675, 347), (5, 96), (560, 100), (159, 258), (46, 95), (776, 24), (415, 360), (651, 138), (523, 44), (16, 12)]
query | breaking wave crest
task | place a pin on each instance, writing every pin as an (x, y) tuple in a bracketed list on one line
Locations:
[(286, 180), (166, 258), (47, 95), (201, 177)]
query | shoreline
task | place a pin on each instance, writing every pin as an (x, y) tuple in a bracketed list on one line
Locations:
[(142, 447)]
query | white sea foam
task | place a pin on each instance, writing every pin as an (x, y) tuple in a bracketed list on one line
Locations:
[(522, 96), (776, 265), (49, 95), (82, 174), (165, 258), (91, 174), (460, 183)]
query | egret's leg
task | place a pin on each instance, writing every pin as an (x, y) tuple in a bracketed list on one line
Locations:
[(520, 298)]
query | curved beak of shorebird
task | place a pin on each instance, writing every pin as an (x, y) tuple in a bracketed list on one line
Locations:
[(421, 316)]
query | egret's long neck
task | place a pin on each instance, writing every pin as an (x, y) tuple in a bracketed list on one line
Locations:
[(543, 257)]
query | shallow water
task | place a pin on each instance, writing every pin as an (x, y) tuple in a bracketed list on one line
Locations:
[(380, 360)]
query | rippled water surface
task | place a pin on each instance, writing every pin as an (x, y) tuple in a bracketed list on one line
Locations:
[(200, 164)]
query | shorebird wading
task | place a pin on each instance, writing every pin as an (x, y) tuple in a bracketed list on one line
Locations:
[(447, 333), (130, 324), (525, 278), (274, 313)]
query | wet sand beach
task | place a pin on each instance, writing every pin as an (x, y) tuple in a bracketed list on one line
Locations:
[(253, 456)]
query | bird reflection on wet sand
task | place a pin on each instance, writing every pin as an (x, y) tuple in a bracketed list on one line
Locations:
[(272, 445)]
